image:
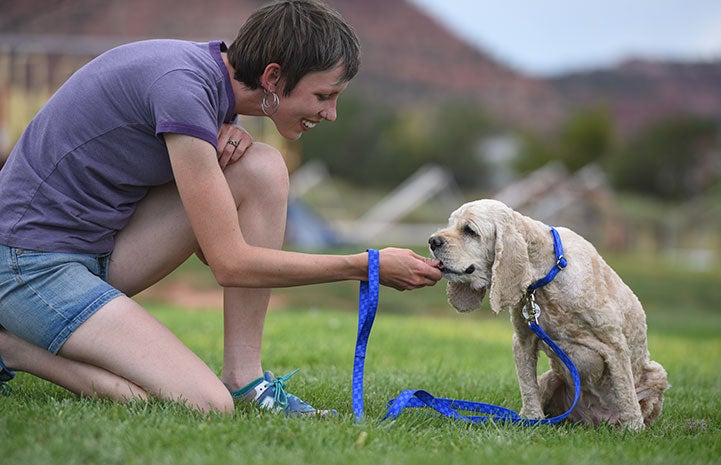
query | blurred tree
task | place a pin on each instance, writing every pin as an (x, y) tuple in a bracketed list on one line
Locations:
[(675, 159), (536, 151), (461, 128), (375, 145), (585, 138), (351, 145)]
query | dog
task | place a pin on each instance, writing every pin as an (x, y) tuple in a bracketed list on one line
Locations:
[(587, 310)]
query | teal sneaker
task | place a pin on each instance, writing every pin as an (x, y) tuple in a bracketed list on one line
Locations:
[(5, 375), (269, 393)]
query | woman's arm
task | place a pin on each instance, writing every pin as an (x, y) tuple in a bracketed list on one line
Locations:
[(213, 216)]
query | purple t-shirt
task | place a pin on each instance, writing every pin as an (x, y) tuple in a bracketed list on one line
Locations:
[(93, 151)]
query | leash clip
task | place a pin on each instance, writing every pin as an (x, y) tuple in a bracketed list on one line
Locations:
[(531, 310)]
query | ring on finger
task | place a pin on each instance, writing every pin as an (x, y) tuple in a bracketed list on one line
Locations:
[(234, 143)]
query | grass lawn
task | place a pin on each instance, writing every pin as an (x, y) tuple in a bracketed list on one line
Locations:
[(451, 355)]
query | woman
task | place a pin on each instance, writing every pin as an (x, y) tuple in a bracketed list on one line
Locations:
[(131, 167)]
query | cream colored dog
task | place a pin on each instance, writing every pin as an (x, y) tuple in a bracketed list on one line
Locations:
[(587, 310)]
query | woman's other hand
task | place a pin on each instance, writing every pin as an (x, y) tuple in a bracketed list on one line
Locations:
[(233, 141)]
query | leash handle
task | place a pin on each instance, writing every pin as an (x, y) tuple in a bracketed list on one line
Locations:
[(367, 306)]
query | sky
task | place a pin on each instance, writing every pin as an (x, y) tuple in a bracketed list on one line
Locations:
[(548, 37)]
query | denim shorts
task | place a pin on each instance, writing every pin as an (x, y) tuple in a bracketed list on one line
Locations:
[(45, 296)]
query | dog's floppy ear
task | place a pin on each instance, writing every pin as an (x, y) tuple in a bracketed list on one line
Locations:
[(463, 298), (510, 266)]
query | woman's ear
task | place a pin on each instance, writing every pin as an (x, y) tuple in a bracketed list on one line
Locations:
[(463, 298), (511, 266), (271, 77)]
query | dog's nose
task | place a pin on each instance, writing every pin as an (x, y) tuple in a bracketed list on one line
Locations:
[(435, 242)]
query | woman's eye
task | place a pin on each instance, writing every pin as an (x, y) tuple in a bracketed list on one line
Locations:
[(468, 231), (323, 97)]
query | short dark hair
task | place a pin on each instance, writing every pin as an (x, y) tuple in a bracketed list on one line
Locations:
[(302, 36)]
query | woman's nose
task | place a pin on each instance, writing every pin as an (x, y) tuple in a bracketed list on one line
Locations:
[(329, 113)]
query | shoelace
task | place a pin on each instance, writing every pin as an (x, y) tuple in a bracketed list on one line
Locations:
[(278, 384)]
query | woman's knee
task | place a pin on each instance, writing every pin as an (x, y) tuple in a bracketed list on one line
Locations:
[(261, 171), (215, 401)]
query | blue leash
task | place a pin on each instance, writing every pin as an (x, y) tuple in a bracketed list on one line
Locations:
[(367, 305), (417, 398)]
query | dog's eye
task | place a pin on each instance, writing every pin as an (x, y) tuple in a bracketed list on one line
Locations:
[(468, 231)]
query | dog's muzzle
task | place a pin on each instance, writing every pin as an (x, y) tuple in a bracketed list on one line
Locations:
[(437, 242)]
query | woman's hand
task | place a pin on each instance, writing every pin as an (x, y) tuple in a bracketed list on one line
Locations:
[(403, 269), (233, 141)]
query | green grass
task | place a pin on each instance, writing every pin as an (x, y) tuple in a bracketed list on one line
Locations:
[(451, 355)]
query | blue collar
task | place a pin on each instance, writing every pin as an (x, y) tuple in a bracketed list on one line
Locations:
[(561, 263)]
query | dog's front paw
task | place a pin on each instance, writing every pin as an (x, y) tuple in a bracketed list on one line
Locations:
[(532, 413), (635, 424)]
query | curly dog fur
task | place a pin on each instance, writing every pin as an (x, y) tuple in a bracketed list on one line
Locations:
[(587, 310)]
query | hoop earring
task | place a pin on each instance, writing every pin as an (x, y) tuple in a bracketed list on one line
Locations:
[(269, 109)]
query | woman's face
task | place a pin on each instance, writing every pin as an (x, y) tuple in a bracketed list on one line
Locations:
[(312, 100)]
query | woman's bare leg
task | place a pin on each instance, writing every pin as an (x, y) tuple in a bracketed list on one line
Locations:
[(80, 378), (122, 353), (124, 339), (159, 238), (261, 194)]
